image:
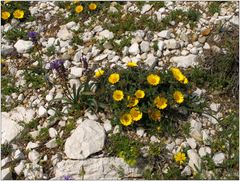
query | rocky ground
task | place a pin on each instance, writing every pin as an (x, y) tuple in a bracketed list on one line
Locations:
[(39, 143)]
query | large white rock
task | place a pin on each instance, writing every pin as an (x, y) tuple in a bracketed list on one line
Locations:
[(218, 158), (194, 160), (23, 46), (88, 138), (65, 34), (146, 8), (95, 169), (106, 34), (134, 49), (21, 113), (19, 168), (185, 61), (164, 34), (10, 129), (186, 171)]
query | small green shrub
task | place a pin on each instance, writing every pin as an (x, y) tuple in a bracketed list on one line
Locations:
[(124, 147), (15, 34), (214, 7)]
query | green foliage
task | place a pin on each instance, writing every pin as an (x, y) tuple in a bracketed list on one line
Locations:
[(157, 5), (124, 147), (35, 76), (174, 173), (60, 142), (125, 41), (51, 50), (43, 135), (6, 150), (214, 7), (7, 86), (193, 15), (69, 127), (15, 34)]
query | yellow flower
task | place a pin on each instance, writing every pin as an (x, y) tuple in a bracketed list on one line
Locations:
[(18, 14), (155, 115), (79, 9), (126, 119), (178, 96), (160, 102), (92, 6), (113, 78), (132, 64), (5, 15), (136, 114), (99, 73), (140, 94), (180, 157), (133, 101), (153, 79), (118, 95), (179, 76)]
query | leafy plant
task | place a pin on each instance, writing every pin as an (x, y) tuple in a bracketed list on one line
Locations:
[(125, 148), (214, 7), (15, 34)]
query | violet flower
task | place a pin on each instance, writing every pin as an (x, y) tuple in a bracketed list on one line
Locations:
[(57, 65), (67, 177), (33, 36)]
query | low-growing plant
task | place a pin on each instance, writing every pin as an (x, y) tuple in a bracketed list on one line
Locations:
[(15, 34), (125, 148), (214, 7)]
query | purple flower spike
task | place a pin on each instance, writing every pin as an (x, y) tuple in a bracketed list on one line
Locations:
[(67, 177), (33, 36), (57, 65)]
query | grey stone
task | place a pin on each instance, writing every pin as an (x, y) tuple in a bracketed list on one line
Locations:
[(34, 156), (134, 49), (145, 46), (146, 8), (164, 34)]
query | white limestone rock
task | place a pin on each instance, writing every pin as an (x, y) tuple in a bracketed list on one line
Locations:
[(33, 171), (34, 156), (194, 160), (95, 169), (65, 34), (164, 34), (146, 8), (87, 138), (134, 49), (23, 46), (106, 34), (218, 158), (185, 61)]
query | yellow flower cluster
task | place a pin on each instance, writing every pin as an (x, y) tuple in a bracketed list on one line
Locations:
[(179, 76), (18, 14), (91, 7), (160, 102)]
